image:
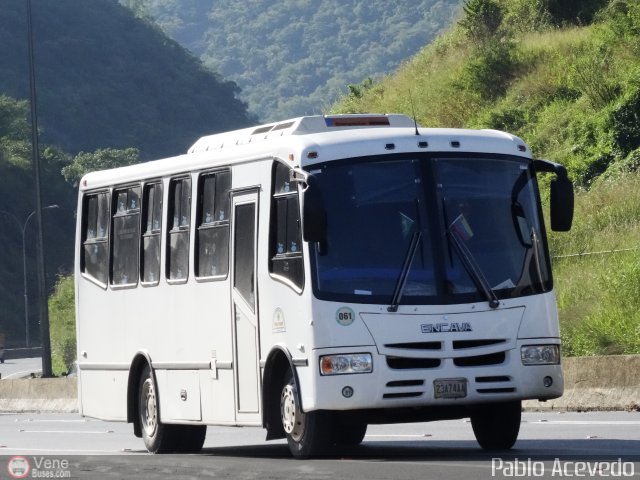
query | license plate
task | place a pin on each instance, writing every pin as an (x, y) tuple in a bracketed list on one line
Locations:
[(450, 388)]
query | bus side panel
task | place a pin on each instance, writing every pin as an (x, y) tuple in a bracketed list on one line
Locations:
[(216, 390), (179, 393), (102, 394)]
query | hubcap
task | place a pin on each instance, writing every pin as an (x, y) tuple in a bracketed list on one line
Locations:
[(149, 412), (292, 417)]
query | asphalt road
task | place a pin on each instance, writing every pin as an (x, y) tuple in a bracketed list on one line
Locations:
[(550, 445), (20, 367)]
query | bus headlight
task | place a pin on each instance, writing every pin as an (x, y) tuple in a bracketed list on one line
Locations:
[(346, 363), (540, 355)]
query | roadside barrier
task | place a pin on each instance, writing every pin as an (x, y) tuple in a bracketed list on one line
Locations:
[(591, 383)]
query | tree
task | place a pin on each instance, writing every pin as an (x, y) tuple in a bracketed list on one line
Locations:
[(482, 19), (101, 159), (62, 316)]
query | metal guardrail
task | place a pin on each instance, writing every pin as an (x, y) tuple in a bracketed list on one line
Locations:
[(13, 353), (584, 254)]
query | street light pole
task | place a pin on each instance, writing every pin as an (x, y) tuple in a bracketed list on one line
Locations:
[(35, 160), (23, 230)]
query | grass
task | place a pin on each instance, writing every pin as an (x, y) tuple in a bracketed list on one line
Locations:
[(571, 94), (599, 293)]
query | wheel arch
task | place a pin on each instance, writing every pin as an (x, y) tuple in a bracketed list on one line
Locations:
[(276, 366), (140, 360)]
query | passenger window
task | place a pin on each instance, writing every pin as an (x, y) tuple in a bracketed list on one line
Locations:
[(126, 232), (95, 236), (286, 240), (179, 218), (152, 231), (212, 237)]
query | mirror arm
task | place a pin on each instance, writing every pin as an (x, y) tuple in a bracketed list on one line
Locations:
[(298, 175), (551, 167)]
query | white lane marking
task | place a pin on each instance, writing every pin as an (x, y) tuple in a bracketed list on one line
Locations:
[(23, 373), (585, 422), (48, 451), (416, 435), (54, 420), (66, 431)]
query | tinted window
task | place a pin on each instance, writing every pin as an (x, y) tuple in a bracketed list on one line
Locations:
[(244, 259), (286, 240), (152, 229), (95, 241), (179, 217), (126, 232), (212, 240)]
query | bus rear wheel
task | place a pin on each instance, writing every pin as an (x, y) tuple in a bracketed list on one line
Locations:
[(496, 426), (308, 434), (189, 438), (157, 436)]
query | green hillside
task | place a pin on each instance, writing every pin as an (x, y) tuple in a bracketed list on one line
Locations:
[(295, 57), (105, 80), (565, 76)]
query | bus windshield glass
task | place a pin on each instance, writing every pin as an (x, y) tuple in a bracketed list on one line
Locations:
[(477, 219)]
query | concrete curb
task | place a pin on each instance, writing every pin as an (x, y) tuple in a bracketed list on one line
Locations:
[(39, 394), (597, 383), (591, 383)]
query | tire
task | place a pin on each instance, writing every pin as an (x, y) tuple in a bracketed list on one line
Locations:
[(496, 426), (348, 433), (158, 437), (189, 438), (308, 434)]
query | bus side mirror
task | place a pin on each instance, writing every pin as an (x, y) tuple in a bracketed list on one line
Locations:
[(314, 216), (561, 204), (561, 195)]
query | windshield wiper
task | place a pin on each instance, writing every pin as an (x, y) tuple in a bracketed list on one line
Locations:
[(404, 272), (473, 269), (535, 241)]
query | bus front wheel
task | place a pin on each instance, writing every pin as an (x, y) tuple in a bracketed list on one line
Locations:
[(308, 434), (349, 433), (496, 426)]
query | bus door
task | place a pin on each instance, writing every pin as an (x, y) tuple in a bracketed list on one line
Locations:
[(246, 333)]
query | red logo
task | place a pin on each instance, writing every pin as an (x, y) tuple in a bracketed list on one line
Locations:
[(18, 467)]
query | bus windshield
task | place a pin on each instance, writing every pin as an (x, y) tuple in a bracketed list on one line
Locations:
[(476, 218)]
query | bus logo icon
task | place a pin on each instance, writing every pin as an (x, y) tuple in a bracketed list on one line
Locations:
[(18, 467)]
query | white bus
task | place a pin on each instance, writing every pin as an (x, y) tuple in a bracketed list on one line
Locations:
[(318, 275)]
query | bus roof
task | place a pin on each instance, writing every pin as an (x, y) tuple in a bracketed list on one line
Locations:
[(304, 141), (300, 126)]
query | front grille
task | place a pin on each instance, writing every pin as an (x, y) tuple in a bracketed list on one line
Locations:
[(402, 395), (493, 379), (462, 344), (406, 383), (496, 390), (416, 345), (406, 363), (480, 360)]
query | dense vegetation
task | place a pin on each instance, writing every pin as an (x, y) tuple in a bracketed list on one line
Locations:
[(565, 76), (111, 89), (295, 57), (108, 80), (562, 74)]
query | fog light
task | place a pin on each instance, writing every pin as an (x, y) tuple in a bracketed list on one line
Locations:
[(347, 392), (547, 381)]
